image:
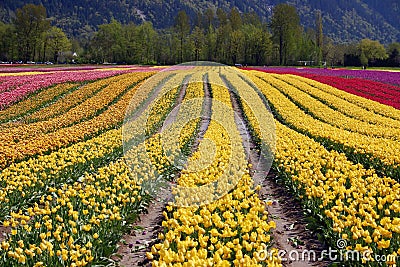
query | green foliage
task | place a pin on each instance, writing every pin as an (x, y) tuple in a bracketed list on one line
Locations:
[(8, 42), (285, 27), (224, 34), (371, 50), (344, 21), (182, 29), (55, 43), (394, 54), (31, 38), (30, 24), (224, 37)]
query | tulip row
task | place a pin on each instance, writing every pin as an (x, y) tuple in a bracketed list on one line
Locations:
[(376, 107), (228, 230), (376, 91), (384, 77), (24, 182), (354, 203), (351, 202), (67, 163), (75, 218), (259, 118), (71, 100), (384, 152), (369, 89), (45, 142), (185, 126), (75, 224), (13, 70), (36, 101), (326, 114), (22, 70), (332, 100), (168, 147), (164, 90), (84, 111), (15, 88)]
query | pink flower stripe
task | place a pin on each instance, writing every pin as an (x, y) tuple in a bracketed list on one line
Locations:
[(20, 68), (15, 88)]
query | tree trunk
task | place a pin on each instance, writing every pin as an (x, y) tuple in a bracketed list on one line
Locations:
[(280, 50)]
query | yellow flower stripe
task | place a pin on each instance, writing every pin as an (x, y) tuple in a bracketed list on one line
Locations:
[(329, 115), (194, 90), (312, 87), (159, 145), (68, 101), (27, 177), (168, 82), (260, 118), (387, 150), (166, 102), (72, 223), (208, 235), (44, 142), (367, 104), (35, 101), (25, 73), (34, 174), (84, 110), (359, 206)]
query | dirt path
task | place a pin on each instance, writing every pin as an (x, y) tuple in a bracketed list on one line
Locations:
[(134, 245), (291, 234), (4, 231), (206, 116)]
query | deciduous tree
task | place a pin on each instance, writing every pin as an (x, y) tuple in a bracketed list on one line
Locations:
[(393, 51), (30, 24), (182, 26), (55, 42), (371, 50), (286, 29)]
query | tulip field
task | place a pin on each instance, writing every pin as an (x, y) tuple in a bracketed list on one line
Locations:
[(82, 150)]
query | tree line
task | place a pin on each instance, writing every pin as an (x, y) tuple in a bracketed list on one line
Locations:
[(228, 37)]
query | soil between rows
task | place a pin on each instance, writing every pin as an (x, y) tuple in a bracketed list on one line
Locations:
[(132, 250), (285, 211)]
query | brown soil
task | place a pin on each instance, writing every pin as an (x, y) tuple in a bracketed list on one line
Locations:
[(285, 211), (133, 248), (3, 232), (291, 234), (134, 245)]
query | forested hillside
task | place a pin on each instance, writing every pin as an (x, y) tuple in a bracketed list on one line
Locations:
[(343, 20)]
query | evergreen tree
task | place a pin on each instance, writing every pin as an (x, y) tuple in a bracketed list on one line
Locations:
[(235, 19), (319, 37)]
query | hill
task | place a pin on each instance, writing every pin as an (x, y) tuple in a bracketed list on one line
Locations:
[(343, 20)]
